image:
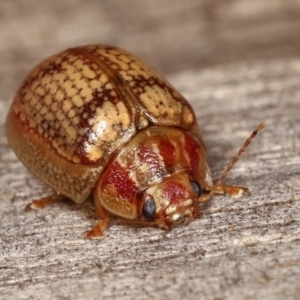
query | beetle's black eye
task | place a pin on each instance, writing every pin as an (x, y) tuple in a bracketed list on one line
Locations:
[(196, 187), (149, 209)]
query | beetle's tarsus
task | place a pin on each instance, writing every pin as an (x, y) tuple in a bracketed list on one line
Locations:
[(233, 190), (34, 205), (38, 204), (97, 231)]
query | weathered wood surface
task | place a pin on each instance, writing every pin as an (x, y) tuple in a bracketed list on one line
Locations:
[(240, 249)]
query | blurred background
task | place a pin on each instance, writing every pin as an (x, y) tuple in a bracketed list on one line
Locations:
[(170, 35)]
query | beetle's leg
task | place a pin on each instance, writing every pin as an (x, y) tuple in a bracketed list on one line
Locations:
[(234, 191), (136, 222), (159, 221), (161, 225), (97, 231), (41, 203)]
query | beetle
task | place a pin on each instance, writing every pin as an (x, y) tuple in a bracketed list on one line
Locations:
[(98, 120)]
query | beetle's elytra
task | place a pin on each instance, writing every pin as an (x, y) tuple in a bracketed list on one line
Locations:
[(97, 119)]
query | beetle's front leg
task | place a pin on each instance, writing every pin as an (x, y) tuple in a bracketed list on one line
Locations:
[(234, 191), (104, 218), (159, 221), (42, 202)]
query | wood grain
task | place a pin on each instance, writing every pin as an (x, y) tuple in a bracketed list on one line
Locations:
[(170, 35), (245, 248)]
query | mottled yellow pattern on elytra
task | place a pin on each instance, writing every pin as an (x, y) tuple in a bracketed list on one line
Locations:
[(68, 85), (28, 96), (54, 106), (160, 102), (77, 100), (78, 63), (38, 106), (94, 153), (80, 83), (134, 66), (46, 80), (113, 93), (71, 113), (84, 103), (34, 85), (146, 75), (124, 58), (104, 124), (49, 117), (43, 110), (60, 95), (75, 78), (76, 120), (72, 133), (126, 76), (95, 85), (86, 95), (108, 86), (116, 61), (32, 123), (188, 116), (103, 78), (71, 92), (52, 88), (71, 57), (124, 116), (59, 78), (67, 104), (33, 101), (60, 115), (47, 99), (84, 69), (40, 91)]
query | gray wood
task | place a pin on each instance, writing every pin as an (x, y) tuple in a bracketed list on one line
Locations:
[(170, 35), (245, 248)]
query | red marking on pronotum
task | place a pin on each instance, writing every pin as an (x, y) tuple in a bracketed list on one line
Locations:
[(119, 177), (147, 155), (173, 191), (167, 151), (192, 149)]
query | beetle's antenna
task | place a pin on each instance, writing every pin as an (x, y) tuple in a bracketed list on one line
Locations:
[(233, 161)]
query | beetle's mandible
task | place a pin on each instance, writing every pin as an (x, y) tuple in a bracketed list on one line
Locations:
[(98, 120)]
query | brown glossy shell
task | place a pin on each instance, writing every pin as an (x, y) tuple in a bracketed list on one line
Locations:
[(76, 108)]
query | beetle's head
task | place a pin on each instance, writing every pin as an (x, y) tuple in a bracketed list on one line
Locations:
[(171, 201)]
